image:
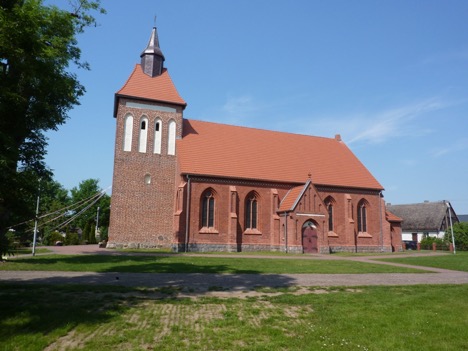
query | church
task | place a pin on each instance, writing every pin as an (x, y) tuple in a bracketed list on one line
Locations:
[(196, 186)]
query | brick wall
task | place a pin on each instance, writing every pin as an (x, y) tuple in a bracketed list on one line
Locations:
[(142, 204)]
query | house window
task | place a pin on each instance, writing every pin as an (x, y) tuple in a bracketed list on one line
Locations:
[(251, 212), (142, 141), (208, 209), (362, 217), (157, 137), (128, 131), (171, 138)]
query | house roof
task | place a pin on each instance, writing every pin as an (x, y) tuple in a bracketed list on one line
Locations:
[(220, 150), (426, 216), (141, 86), (291, 199)]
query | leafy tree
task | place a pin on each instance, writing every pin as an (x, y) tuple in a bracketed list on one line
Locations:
[(52, 237), (72, 239), (85, 233), (460, 233), (37, 89), (89, 190), (92, 235), (54, 200)]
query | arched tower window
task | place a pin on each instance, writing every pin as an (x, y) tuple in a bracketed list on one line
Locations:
[(208, 209), (362, 215), (143, 139), (251, 211), (171, 138), (157, 136), (128, 133), (329, 203)]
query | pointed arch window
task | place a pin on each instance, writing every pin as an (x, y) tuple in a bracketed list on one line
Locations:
[(128, 133), (251, 211), (208, 209), (143, 139), (330, 217), (157, 136), (362, 216), (171, 138)]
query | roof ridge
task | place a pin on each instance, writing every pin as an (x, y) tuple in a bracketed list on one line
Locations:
[(264, 130)]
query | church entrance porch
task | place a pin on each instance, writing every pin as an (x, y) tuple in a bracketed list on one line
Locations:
[(309, 237)]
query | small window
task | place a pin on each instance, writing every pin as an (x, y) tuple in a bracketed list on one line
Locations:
[(147, 179), (208, 210), (330, 217), (251, 212), (362, 217)]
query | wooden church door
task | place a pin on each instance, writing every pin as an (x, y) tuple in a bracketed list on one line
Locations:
[(310, 240)]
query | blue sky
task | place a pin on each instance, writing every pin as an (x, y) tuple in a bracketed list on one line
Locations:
[(390, 76)]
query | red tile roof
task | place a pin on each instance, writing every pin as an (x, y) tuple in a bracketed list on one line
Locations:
[(390, 217), (159, 88), (290, 200), (221, 150)]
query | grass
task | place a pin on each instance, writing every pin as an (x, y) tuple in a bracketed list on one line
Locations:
[(457, 262), (194, 264), (118, 318), (26, 251)]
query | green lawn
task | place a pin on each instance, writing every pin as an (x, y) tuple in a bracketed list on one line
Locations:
[(193, 264), (457, 262), (425, 317), (28, 250)]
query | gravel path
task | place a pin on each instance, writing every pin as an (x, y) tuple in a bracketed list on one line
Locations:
[(234, 282)]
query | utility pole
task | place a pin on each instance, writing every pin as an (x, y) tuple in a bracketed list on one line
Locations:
[(451, 227), (96, 234), (35, 221)]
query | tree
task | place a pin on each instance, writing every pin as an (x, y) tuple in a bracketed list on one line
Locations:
[(90, 191), (37, 89), (460, 233)]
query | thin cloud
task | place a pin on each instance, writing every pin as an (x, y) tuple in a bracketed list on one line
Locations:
[(459, 145), (394, 123)]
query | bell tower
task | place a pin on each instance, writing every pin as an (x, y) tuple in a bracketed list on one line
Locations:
[(149, 114)]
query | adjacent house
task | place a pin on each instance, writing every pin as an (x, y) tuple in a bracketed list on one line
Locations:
[(200, 186), (424, 219)]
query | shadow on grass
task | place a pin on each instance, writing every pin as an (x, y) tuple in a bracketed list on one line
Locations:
[(130, 263), (44, 314)]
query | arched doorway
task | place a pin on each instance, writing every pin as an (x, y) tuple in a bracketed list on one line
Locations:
[(309, 237)]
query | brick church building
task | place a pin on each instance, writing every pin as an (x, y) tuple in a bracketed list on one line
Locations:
[(200, 186)]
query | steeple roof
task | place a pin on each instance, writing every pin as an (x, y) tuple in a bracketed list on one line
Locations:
[(143, 87), (153, 45)]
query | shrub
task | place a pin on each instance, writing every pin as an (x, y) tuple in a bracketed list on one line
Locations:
[(52, 237), (460, 232), (72, 239), (441, 244)]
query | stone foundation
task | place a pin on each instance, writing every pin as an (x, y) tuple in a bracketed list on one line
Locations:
[(360, 249)]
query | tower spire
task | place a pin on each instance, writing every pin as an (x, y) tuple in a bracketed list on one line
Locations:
[(152, 58)]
